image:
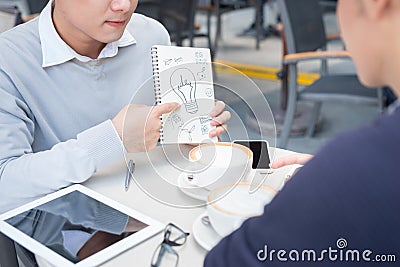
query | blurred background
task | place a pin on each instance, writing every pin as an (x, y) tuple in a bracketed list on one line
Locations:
[(250, 37)]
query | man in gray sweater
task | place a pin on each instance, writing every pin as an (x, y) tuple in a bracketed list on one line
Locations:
[(66, 79)]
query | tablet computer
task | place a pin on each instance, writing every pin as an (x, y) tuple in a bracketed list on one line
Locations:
[(77, 227)]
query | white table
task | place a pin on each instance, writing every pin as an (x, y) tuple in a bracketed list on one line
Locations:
[(110, 182)]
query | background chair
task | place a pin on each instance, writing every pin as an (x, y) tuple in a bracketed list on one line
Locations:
[(10, 16), (220, 7), (36, 6), (178, 17), (149, 8), (328, 5), (305, 39)]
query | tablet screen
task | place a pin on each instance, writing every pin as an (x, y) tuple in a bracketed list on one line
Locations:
[(76, 225)]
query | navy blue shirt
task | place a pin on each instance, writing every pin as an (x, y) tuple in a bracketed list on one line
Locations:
[(343, 203)]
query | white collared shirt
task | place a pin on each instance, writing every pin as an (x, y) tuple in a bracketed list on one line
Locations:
[(55, 51)]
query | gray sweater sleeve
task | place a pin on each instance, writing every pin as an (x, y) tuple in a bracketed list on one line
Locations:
[(25, 175)]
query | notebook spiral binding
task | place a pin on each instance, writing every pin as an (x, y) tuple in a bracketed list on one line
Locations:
[(157, 85)]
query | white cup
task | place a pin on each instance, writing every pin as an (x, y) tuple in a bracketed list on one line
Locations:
[(230, 205), (215, 164)]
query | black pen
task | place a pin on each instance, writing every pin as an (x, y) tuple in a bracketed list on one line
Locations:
[(129, 172)]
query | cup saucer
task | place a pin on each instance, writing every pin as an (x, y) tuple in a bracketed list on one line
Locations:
[(204, 234), (196, 192)]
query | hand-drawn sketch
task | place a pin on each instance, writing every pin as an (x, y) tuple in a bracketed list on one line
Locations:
[(204, 119), (178, 59), (200, 59), (184, 75), (176, 120), (167, 61), (202, 74), (204, 129), (198, 54), (183, 84), (188, 132), (209, 92)]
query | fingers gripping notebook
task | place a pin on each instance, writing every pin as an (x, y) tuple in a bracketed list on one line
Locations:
[(184, 75)]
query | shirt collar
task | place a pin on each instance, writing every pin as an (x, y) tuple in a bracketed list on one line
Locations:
[(55, 51)]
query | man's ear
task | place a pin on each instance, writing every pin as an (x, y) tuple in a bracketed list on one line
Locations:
[(377, 9)]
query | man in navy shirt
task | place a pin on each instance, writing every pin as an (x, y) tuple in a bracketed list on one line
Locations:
[(342, 207)]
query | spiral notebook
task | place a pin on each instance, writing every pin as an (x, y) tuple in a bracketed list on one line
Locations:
[(184, 75)]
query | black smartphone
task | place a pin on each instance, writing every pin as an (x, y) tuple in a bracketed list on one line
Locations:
[(260, 148)]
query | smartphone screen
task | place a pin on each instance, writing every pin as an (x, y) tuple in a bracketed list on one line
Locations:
[(260, 153)]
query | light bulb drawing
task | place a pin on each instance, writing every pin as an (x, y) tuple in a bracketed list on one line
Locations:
[(183, 84)]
